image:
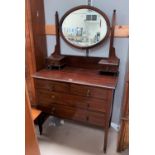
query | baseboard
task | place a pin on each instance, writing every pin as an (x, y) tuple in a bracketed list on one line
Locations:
[(115, 126)]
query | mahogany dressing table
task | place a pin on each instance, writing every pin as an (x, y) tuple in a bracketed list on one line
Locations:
[(80, 88)]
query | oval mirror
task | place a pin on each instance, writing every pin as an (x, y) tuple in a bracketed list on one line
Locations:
[(84, 27)]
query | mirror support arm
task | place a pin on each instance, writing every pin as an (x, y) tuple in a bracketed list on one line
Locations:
[(112, 54), (57, 46), (56, 60)]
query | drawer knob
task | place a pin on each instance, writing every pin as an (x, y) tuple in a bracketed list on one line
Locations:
[(53, 96), (88, 92)]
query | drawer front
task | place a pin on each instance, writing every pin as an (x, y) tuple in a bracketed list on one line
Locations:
[(96, 119), (75, 114), (89, 91), (80, 115), (98, 105), (46, 98), (52, 85), (68, 112)]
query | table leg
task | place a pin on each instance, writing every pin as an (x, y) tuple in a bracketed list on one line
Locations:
[(105, 140)]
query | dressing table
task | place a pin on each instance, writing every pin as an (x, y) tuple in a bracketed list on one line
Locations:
[(75, 87)]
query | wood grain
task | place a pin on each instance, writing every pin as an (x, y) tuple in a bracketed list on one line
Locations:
[(37, 24), (121, 31), (31, 144), (123, 139), (78, 76), (35, 113), (30, 61), (50, 29)]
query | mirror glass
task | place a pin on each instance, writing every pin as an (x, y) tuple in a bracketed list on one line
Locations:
[(84, 28)]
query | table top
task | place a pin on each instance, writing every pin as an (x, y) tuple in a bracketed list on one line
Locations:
[(78, 76)]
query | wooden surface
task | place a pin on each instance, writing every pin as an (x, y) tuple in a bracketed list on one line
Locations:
[(121, 31), (31, 144), (78, 76), (72, 100), (80, 80), (123, 139), (36, 20), (76, 102), (30, 63), (79, 94), (87, 104), (35, 113), (35, 52)]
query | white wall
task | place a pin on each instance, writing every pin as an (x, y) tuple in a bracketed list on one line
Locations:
[(121, 44)]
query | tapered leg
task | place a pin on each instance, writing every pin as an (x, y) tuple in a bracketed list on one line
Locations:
[(40, 121), (105, 139)]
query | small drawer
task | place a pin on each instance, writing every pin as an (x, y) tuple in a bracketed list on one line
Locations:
[(47, 98), (89, 91), (51, 85), (96, 119)]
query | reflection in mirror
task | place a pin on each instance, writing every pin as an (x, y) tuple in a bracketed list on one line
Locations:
[(84, 28)]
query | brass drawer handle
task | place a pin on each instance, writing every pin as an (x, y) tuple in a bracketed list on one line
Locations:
[(88, 92)]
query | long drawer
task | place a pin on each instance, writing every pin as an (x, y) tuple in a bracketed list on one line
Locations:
[(46, 98), (75, 114), (81, 90)]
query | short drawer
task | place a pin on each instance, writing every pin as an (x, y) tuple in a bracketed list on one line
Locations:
[(51, 85), (89, 91)]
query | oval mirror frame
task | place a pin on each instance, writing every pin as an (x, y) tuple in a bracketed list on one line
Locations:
[(90, 8)]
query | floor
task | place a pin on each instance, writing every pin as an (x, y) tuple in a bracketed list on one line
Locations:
[(75, 139)]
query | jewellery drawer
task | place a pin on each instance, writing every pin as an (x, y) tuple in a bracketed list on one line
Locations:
[(47, 98), (51, 85), (89, 91)]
